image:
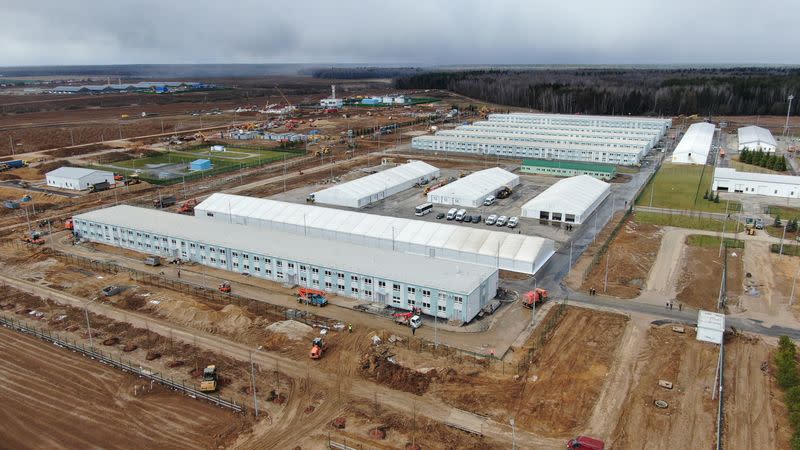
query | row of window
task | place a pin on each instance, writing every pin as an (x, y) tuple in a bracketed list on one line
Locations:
[(558, 130)]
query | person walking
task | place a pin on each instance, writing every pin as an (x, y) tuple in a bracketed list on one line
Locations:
[(680, 306), (350, 327)]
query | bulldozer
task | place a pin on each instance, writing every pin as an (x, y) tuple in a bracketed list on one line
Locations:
[(209, 382), (535, 297), (318, 348)]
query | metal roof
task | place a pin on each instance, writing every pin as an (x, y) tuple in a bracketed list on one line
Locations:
[(382, 181), (578, 118), (528, 145), (724, 172), (513, 252), (396, 266), (695, 144), (573, 195), (477, 185), (73, 172), (534, 137), (710, 326), (754, 134), (571, 165)]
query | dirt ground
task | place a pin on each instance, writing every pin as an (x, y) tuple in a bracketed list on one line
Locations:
[(549, 396), (755, 415), (699, 282), (54, 398), (689, 420), (632, 254)]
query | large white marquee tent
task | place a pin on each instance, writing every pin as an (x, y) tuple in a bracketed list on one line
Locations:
[(695, 144), (473, 189), (514, 252), (756, 138), (570, 200), (372, 188)]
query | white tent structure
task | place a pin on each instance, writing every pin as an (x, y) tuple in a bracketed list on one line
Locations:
[(756, 138), (570, 200), (372, 188), (770, 184), (471, 190), (695, 144), (514, 252), (77, 178)]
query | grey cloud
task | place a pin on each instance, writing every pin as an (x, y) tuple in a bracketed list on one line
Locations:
[(407, 32)]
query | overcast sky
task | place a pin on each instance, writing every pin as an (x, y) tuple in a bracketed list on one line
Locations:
[(409, 32)]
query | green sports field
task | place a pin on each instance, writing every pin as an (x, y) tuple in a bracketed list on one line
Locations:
[(681, 186), (232, 157)]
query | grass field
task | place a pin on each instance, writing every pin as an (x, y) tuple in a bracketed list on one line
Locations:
[(680, 186), (788, 249), (681, 221), (786, 212), (233, 158), (742, 167), (701, 240)]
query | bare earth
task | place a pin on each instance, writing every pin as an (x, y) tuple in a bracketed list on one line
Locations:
[(55, 399)]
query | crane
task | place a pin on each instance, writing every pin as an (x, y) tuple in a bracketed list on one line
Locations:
[(288, 103)]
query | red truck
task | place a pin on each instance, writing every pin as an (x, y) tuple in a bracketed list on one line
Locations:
[(586, 442)]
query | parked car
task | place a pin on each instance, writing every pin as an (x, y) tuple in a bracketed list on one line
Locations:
[(491, 219), (759, 224), (586, 443), (461, 214), (440, 216), (512, 222), (476, 219), (488, 201), (467, 218), (452, 213), (501, 221)]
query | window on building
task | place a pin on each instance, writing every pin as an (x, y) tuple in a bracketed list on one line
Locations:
[(246, 267), (426, 293), (234, 254), (396, 299), (340, 275), (441, 308), (328, 285), (279, 264), (315, 282), (381, 284), (396, 287), (426, 304), (458, 300), (256, 259), (303, 279), (314, 270), (354, 290), (257, 269), (302, 267), (235, 265), (291, 265), (367, 281), (268, 272), (327, 273), (354, 278)]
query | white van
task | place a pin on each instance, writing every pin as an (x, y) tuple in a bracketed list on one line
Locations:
[(489, 200), (451, 214), (460, 215)]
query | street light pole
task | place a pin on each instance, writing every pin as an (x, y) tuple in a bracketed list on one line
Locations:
[(88, 325), (513, 434), (253, 382), (788, 110), (794, 282)]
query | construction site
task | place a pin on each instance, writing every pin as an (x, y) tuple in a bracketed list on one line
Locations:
[(323, 283)]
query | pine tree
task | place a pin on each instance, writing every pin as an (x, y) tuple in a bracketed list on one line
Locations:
[(777, 222), (716, 198), (705, 195), (743, 155)]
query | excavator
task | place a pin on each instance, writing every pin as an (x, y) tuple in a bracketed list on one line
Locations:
[(187, 207), (534, 298), (505, 192), (33, 238), (225, 287), (209, 382), (312, 297), (318, 348)]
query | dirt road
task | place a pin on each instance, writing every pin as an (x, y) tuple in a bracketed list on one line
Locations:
[(355, 387), (53, 398)]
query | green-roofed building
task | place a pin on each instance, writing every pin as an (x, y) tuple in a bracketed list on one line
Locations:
[(557, 168)]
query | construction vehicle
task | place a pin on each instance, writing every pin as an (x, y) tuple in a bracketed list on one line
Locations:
[(312, 297), (33, 238), (311, 198), (164, 202), (118, 177), (68, 224), (99, 187), (505, 192), (209, 382), (188, 207), (586, 443), (132, 179), (535, 297), (225, 287), (318, 347), (410, 318)]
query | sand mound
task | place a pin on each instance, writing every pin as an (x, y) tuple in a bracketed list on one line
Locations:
[(231, 319), (292, 329)]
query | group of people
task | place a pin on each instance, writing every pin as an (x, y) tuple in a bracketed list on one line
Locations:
[(592, 291), (670, 305), (568, 227)]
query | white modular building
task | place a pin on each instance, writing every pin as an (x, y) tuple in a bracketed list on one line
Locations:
[(442, 288), (602, 139), (472, 190), (77, 178), (372, 188), (756, 138), (773, 185), (695, 145), (457, 244), (570, 200)]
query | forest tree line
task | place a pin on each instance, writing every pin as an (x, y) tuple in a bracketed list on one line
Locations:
[(656, 92)]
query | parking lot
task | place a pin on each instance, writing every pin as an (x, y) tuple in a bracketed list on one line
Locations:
[(403, 204)]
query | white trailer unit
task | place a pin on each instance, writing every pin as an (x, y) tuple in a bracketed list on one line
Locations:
[(471, 190), (372, 188), (729, 180)]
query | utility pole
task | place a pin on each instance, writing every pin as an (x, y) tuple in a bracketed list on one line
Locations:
[(253, 384), (88, 325), (788, 110), (605, 278)]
